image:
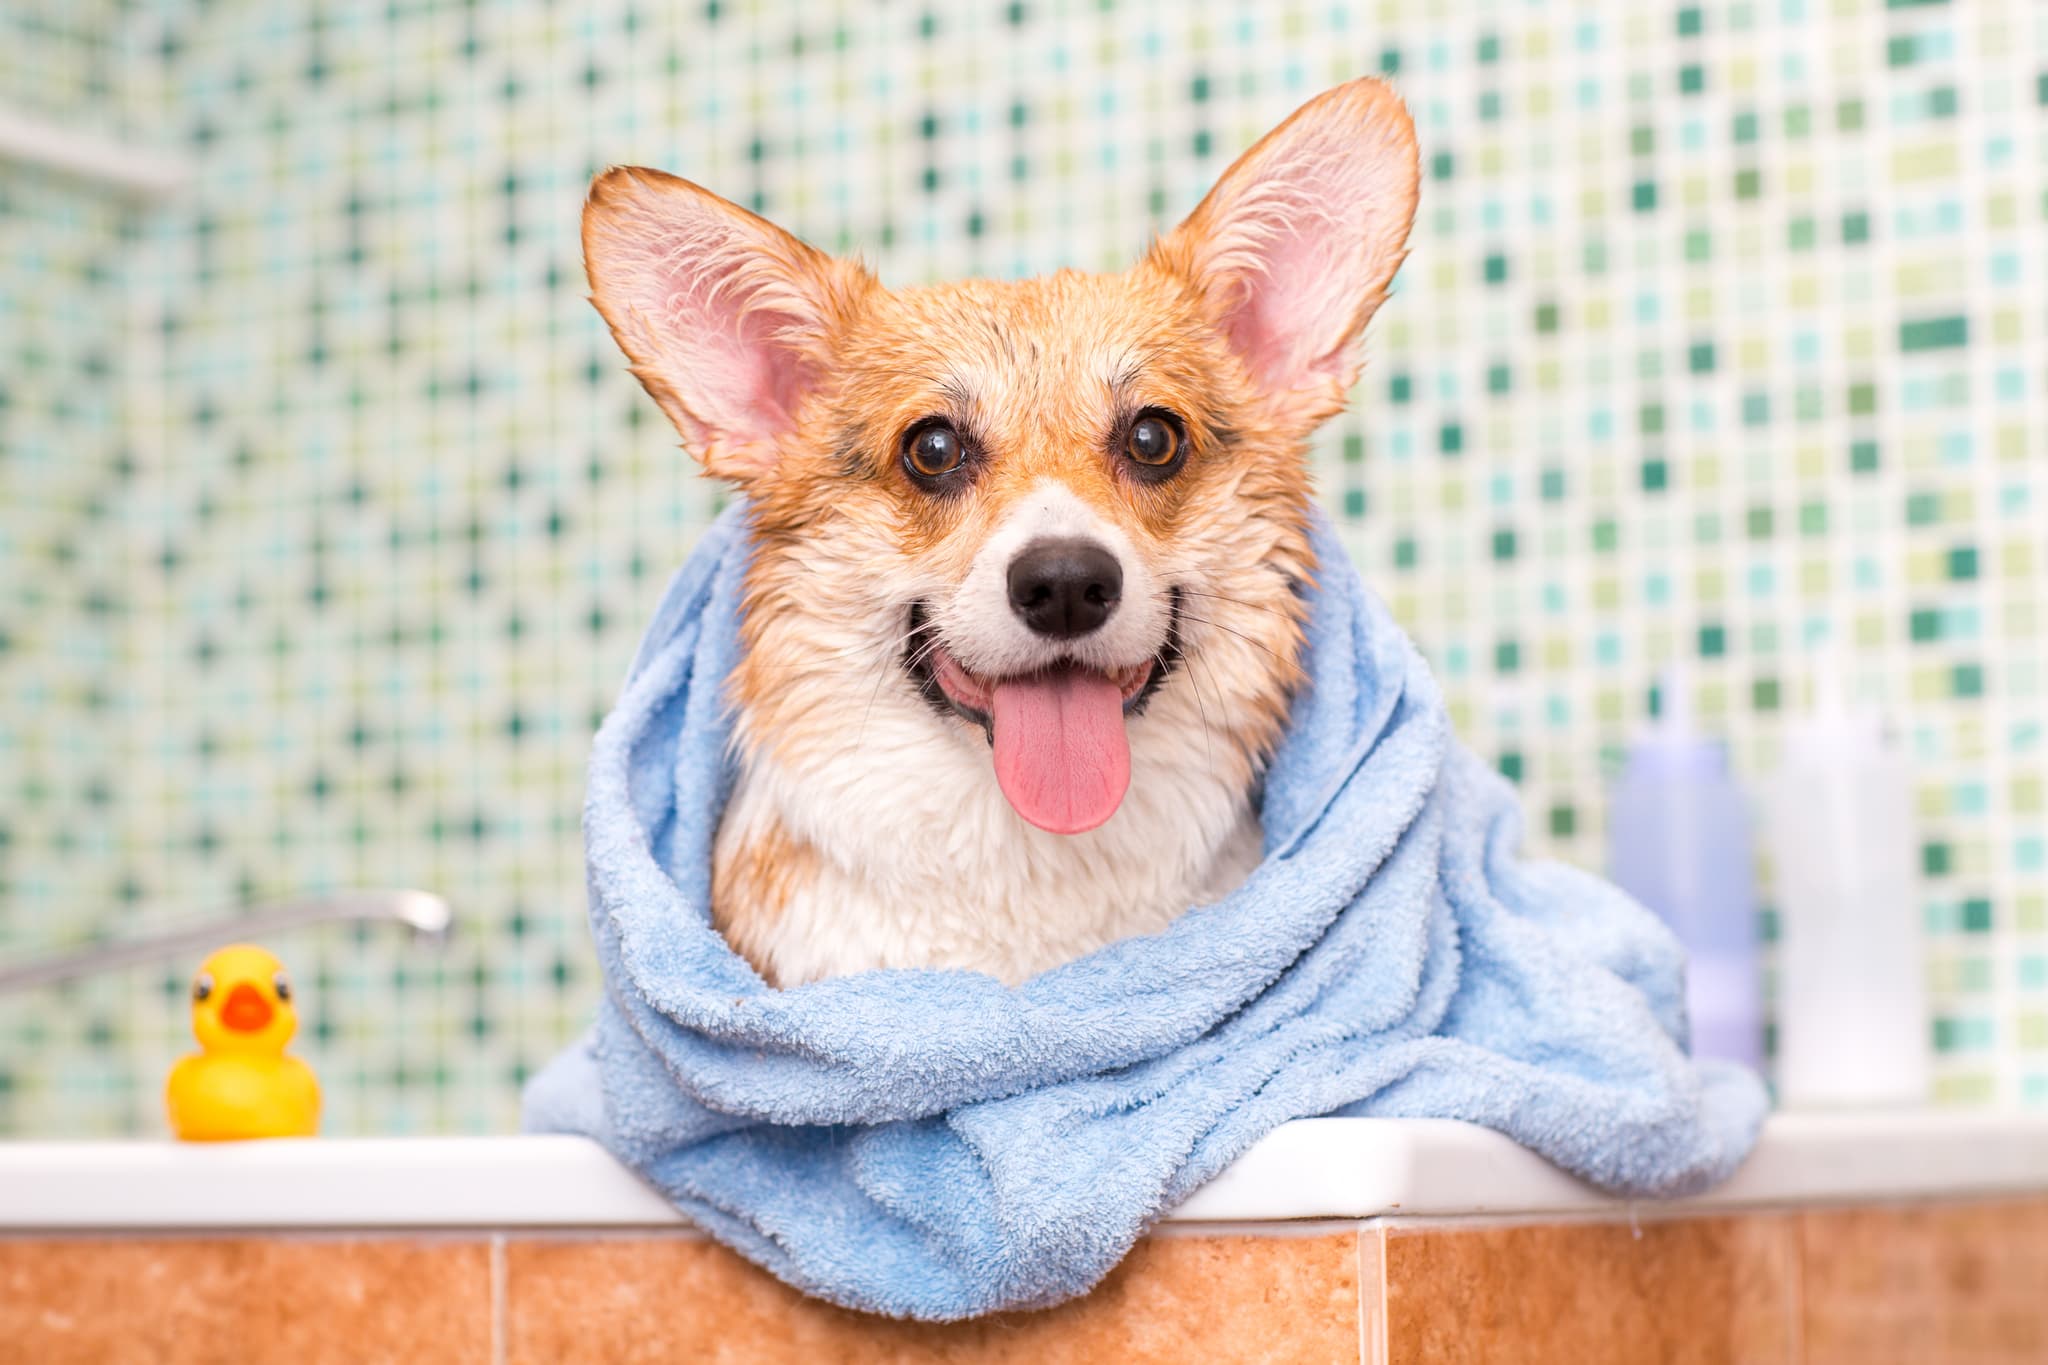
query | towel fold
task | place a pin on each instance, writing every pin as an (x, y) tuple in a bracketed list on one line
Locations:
[(936, 1145)]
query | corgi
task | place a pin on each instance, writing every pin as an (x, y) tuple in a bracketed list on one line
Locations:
[(1025, 610)]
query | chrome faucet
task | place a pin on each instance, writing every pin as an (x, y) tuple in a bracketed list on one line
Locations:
[(427, 915)]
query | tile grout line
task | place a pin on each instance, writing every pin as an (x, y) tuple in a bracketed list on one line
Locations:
[(1795, 1308), (1384, 1323), (498, 1297), (1358, 1235), (1372, 1313)]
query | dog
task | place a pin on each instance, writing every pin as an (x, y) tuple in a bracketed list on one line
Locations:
[(1024, 616)]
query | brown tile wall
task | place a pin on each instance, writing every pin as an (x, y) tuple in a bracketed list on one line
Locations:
[(244, 1301), (1954, 1285), (1694, 1291), (1176, 1298), (1960, 1285)]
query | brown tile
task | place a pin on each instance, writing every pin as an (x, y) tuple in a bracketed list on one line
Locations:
[(243, 1300), (1179, 1297), (1958, 1285), (1710, 1290)]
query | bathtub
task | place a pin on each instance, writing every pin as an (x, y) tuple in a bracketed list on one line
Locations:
[(1870, 1237)]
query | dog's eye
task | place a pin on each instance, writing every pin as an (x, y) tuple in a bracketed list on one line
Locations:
[(1154, 441), (933, 451)]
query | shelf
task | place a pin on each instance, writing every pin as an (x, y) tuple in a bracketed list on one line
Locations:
[(138, 172)]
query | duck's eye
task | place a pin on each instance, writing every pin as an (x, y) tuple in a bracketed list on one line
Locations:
[(933, 451), (202, 986), (1154, 441), (282, 985)]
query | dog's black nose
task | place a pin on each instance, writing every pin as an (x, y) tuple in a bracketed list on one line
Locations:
[(1064, 588)]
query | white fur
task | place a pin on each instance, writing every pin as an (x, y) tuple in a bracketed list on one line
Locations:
[(1021, 900), (909, 800), (986, 636)]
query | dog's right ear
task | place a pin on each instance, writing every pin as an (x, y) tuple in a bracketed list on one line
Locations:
[(724, 316)]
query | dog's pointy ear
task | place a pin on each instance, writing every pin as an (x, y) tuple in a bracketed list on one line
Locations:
[(724, 316), (1295, 246)]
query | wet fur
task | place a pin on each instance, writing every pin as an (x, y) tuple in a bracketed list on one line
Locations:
[(867, 828)]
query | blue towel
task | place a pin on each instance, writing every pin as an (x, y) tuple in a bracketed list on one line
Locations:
[(934, 1144)]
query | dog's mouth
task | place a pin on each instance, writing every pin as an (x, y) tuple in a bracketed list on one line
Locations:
[(1061, 755)]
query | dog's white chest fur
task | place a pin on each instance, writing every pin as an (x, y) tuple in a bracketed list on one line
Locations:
[(914, 859)]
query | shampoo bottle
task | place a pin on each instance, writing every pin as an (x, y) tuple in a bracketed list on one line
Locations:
[(1852, 990), (1679, 833)]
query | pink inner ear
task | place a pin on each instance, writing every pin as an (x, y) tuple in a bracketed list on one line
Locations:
[(725, 352), (1309, 233), (1294, 308), (747, 378), (717, 310)]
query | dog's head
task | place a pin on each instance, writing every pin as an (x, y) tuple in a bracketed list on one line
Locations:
[(1039, 507)]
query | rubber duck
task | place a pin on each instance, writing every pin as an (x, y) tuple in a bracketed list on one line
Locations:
[(240, 1084)]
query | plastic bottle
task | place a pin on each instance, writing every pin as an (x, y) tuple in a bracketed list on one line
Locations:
[(1679, 838), (1852, 986)]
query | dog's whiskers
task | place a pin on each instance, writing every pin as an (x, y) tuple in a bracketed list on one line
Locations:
[(1201, 709), (1218, 625), (1236, 602), (922, 653), (888, 650), (860, 734)]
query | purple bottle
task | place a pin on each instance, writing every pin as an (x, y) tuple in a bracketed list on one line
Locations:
[(1679, 842)]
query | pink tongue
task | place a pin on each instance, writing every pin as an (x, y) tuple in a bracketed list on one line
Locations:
[(1061, 755)]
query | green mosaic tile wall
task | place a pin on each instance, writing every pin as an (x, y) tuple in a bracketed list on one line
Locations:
[(328, 515), (63, 453), (65, 58)]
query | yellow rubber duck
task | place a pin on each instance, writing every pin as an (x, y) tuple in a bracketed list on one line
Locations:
[(240, 1084)]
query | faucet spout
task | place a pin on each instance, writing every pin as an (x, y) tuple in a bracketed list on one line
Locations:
[(427, 915)]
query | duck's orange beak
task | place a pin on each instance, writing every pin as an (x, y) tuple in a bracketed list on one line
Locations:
[(245, 1010)]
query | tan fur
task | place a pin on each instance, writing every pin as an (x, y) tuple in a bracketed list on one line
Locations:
[(1238, 506), (751, 884), (1042, 375)]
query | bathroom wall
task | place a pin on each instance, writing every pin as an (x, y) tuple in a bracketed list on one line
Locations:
[(330, 515), (64, 459)]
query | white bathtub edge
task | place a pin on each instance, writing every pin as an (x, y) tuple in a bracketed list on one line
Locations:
[(1314, 1168)]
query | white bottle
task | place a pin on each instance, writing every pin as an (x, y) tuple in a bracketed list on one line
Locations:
[(1852, 977)]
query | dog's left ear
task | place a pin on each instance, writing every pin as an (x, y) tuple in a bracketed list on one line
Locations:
[(1293, 249)]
